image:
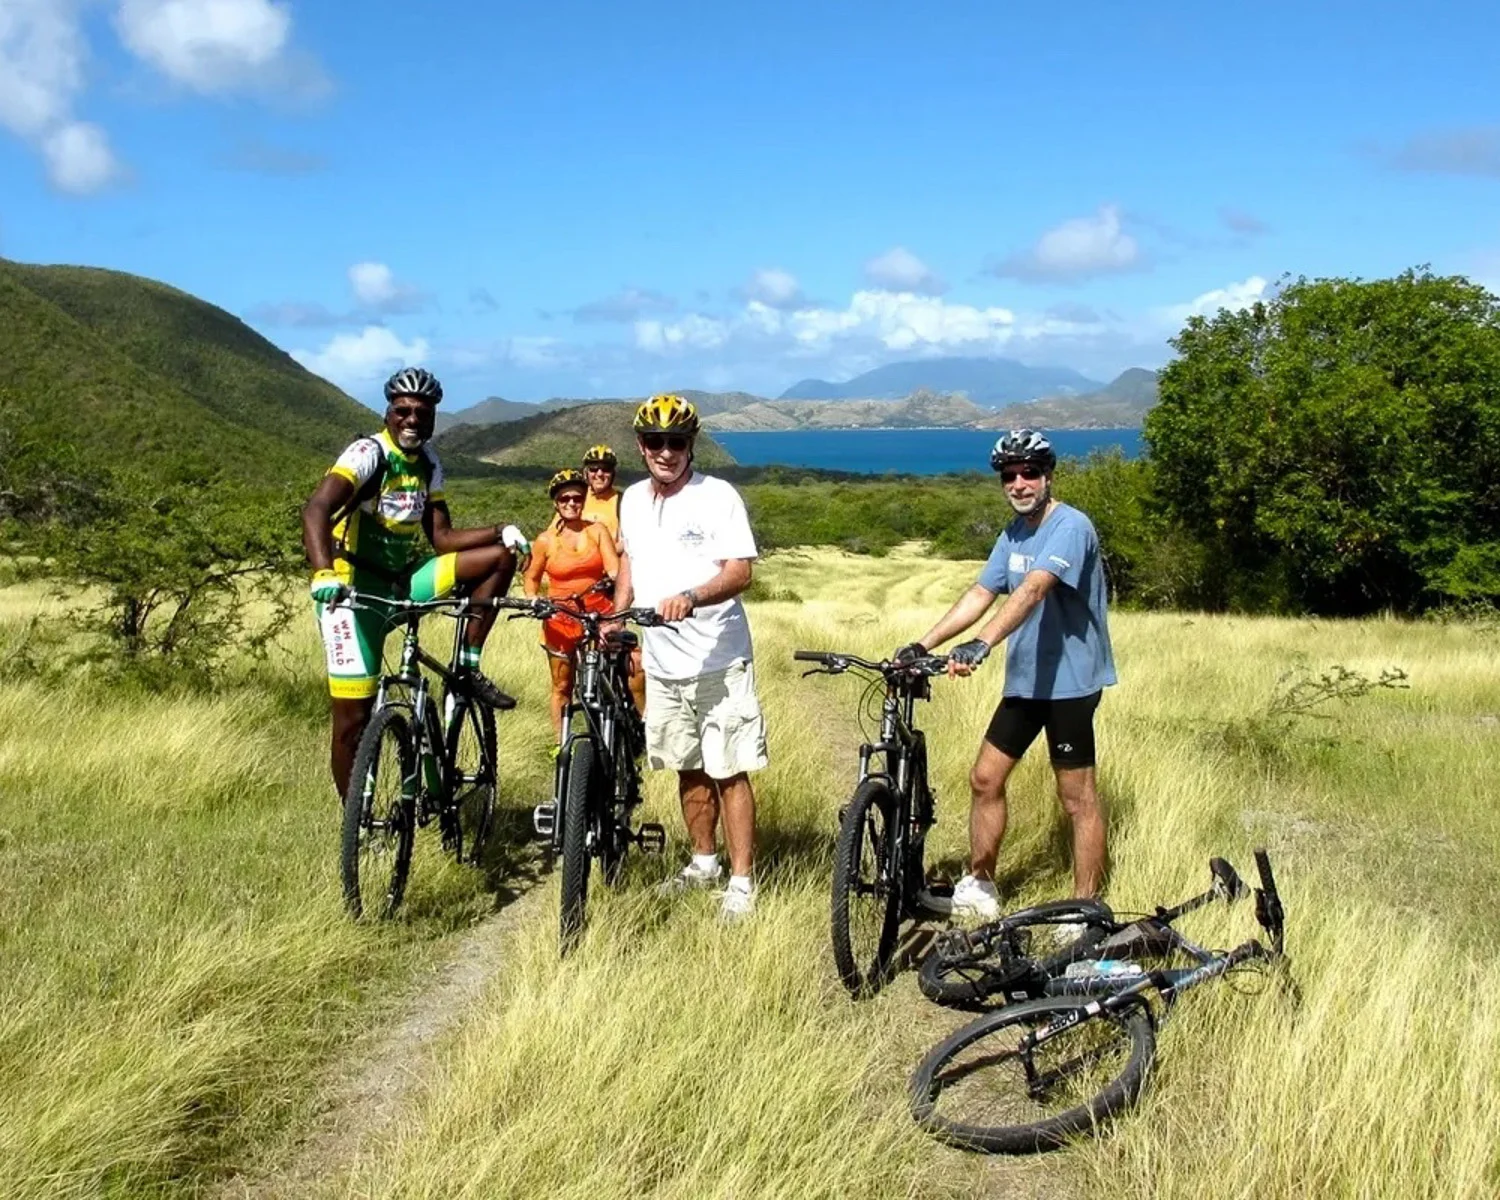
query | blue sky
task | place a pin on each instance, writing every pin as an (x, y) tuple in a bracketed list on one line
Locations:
[(608, 199)]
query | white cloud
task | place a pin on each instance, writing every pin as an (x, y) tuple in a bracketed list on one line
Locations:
[(895, 321), (79, 159), (899, 270), (774, 287), (42, 60), (210, 46), (350, 359), (1233, 296), (1076, 249), (377, 289)]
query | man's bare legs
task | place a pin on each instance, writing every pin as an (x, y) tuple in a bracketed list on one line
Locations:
[(1076, 790), (1080, 800), (703, 800), (987, 810)]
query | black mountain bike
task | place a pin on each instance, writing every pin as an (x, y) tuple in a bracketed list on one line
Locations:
[(1026, 954), (422, 757), (878, 872), (598, 783), (1032, 1075)]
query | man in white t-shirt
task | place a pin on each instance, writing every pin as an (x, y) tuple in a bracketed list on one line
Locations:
[(687, 554)]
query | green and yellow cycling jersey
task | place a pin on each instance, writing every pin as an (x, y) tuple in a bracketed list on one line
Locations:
[(392, 490)]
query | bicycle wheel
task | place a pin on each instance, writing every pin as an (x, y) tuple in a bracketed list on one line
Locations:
[(866, 896), (1023, 950), (575, 849), (472, 777), (979, 1089), (379, 818), (614, 833)]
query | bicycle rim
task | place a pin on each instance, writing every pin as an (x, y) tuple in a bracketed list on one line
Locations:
[(866, 907), (974, 1090), (472, 786), (378, 820)]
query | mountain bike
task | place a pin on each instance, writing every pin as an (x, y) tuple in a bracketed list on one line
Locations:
[(598, 782), (415, 765), (1032, 1075), (878, 872), (1026, 954)]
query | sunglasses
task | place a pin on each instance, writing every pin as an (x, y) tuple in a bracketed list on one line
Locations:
[(570, 498), (600, 470), (665, 441), (1011, 474), (402, 411)]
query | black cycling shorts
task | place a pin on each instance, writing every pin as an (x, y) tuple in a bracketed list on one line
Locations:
[(1069, 725)]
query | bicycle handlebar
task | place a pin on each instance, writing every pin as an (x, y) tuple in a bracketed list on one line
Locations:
[(451, 605), (837, 663), (1268, 908), (541, 608)]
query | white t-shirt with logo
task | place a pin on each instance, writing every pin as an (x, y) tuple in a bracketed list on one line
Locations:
[(681, 542)]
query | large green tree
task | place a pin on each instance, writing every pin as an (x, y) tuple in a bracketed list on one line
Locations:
[(1337, 448)]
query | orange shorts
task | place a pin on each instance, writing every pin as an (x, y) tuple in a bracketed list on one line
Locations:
[(561, 634)]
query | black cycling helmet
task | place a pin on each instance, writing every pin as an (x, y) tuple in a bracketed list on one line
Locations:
[(1023, 446), (414, 381)]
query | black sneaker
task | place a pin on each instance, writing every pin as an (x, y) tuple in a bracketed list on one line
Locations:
[(485, 690)]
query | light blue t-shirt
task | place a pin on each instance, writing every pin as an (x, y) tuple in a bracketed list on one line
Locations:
[(1061, 651)]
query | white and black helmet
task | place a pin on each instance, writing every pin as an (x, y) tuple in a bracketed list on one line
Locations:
[(1023, 446), (414, 381)]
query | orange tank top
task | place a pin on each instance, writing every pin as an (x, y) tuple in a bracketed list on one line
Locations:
[(574, 564)]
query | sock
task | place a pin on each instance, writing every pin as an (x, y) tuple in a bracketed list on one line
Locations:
[(468, 656), (740, 883), (708, 864)]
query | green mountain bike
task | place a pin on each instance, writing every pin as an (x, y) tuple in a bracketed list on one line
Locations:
[(423, 757)]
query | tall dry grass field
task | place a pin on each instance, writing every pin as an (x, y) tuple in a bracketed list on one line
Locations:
[(176, 980)]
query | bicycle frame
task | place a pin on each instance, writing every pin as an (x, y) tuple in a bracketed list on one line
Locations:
[(409, 688)]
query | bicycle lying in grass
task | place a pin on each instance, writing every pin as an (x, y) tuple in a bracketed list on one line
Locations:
[(1031, 1075), (879, 877), (414, 766), (598, 782)]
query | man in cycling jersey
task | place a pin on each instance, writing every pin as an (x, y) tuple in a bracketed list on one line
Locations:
[(360, 529), (1058, 661), (602, 504)]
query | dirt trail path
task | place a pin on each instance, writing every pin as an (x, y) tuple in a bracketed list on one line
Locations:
[(380, 1078)]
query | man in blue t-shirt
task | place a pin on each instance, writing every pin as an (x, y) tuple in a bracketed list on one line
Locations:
[(1057, 662)]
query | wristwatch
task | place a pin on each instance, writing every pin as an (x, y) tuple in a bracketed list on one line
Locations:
[(692, 596)]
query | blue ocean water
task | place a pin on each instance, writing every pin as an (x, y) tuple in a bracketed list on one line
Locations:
[(911, 451)]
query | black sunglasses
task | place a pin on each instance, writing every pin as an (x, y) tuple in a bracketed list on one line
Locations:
[(1011, 474), (669, 441)]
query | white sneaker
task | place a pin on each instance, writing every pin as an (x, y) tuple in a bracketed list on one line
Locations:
[(975, 899), (737, 901), (690, 878)]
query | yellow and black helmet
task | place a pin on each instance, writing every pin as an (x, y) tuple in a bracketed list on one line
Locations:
[(666, 413), (600, 456), (567, 477)]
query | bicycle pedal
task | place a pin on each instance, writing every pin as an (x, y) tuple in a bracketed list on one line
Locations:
[(651, 838), (544, 819)]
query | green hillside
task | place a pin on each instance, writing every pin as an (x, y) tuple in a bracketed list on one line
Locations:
[(127, 370), (558, 439)]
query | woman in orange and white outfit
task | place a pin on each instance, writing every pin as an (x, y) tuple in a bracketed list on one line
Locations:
[(571, 556)]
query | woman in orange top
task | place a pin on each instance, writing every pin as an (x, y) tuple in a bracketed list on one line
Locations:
[(572, 556)]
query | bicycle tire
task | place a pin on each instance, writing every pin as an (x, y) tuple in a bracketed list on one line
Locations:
[(996, 1076), (969, 981), (614, 847), (362, 868), (575, 850), (472, 764), (868, 824)]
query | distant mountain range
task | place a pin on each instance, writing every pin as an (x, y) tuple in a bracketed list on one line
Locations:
[(558, 438), (985, 381), (1121, 404)]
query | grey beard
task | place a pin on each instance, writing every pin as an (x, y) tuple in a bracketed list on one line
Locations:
[(1040, 502)]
